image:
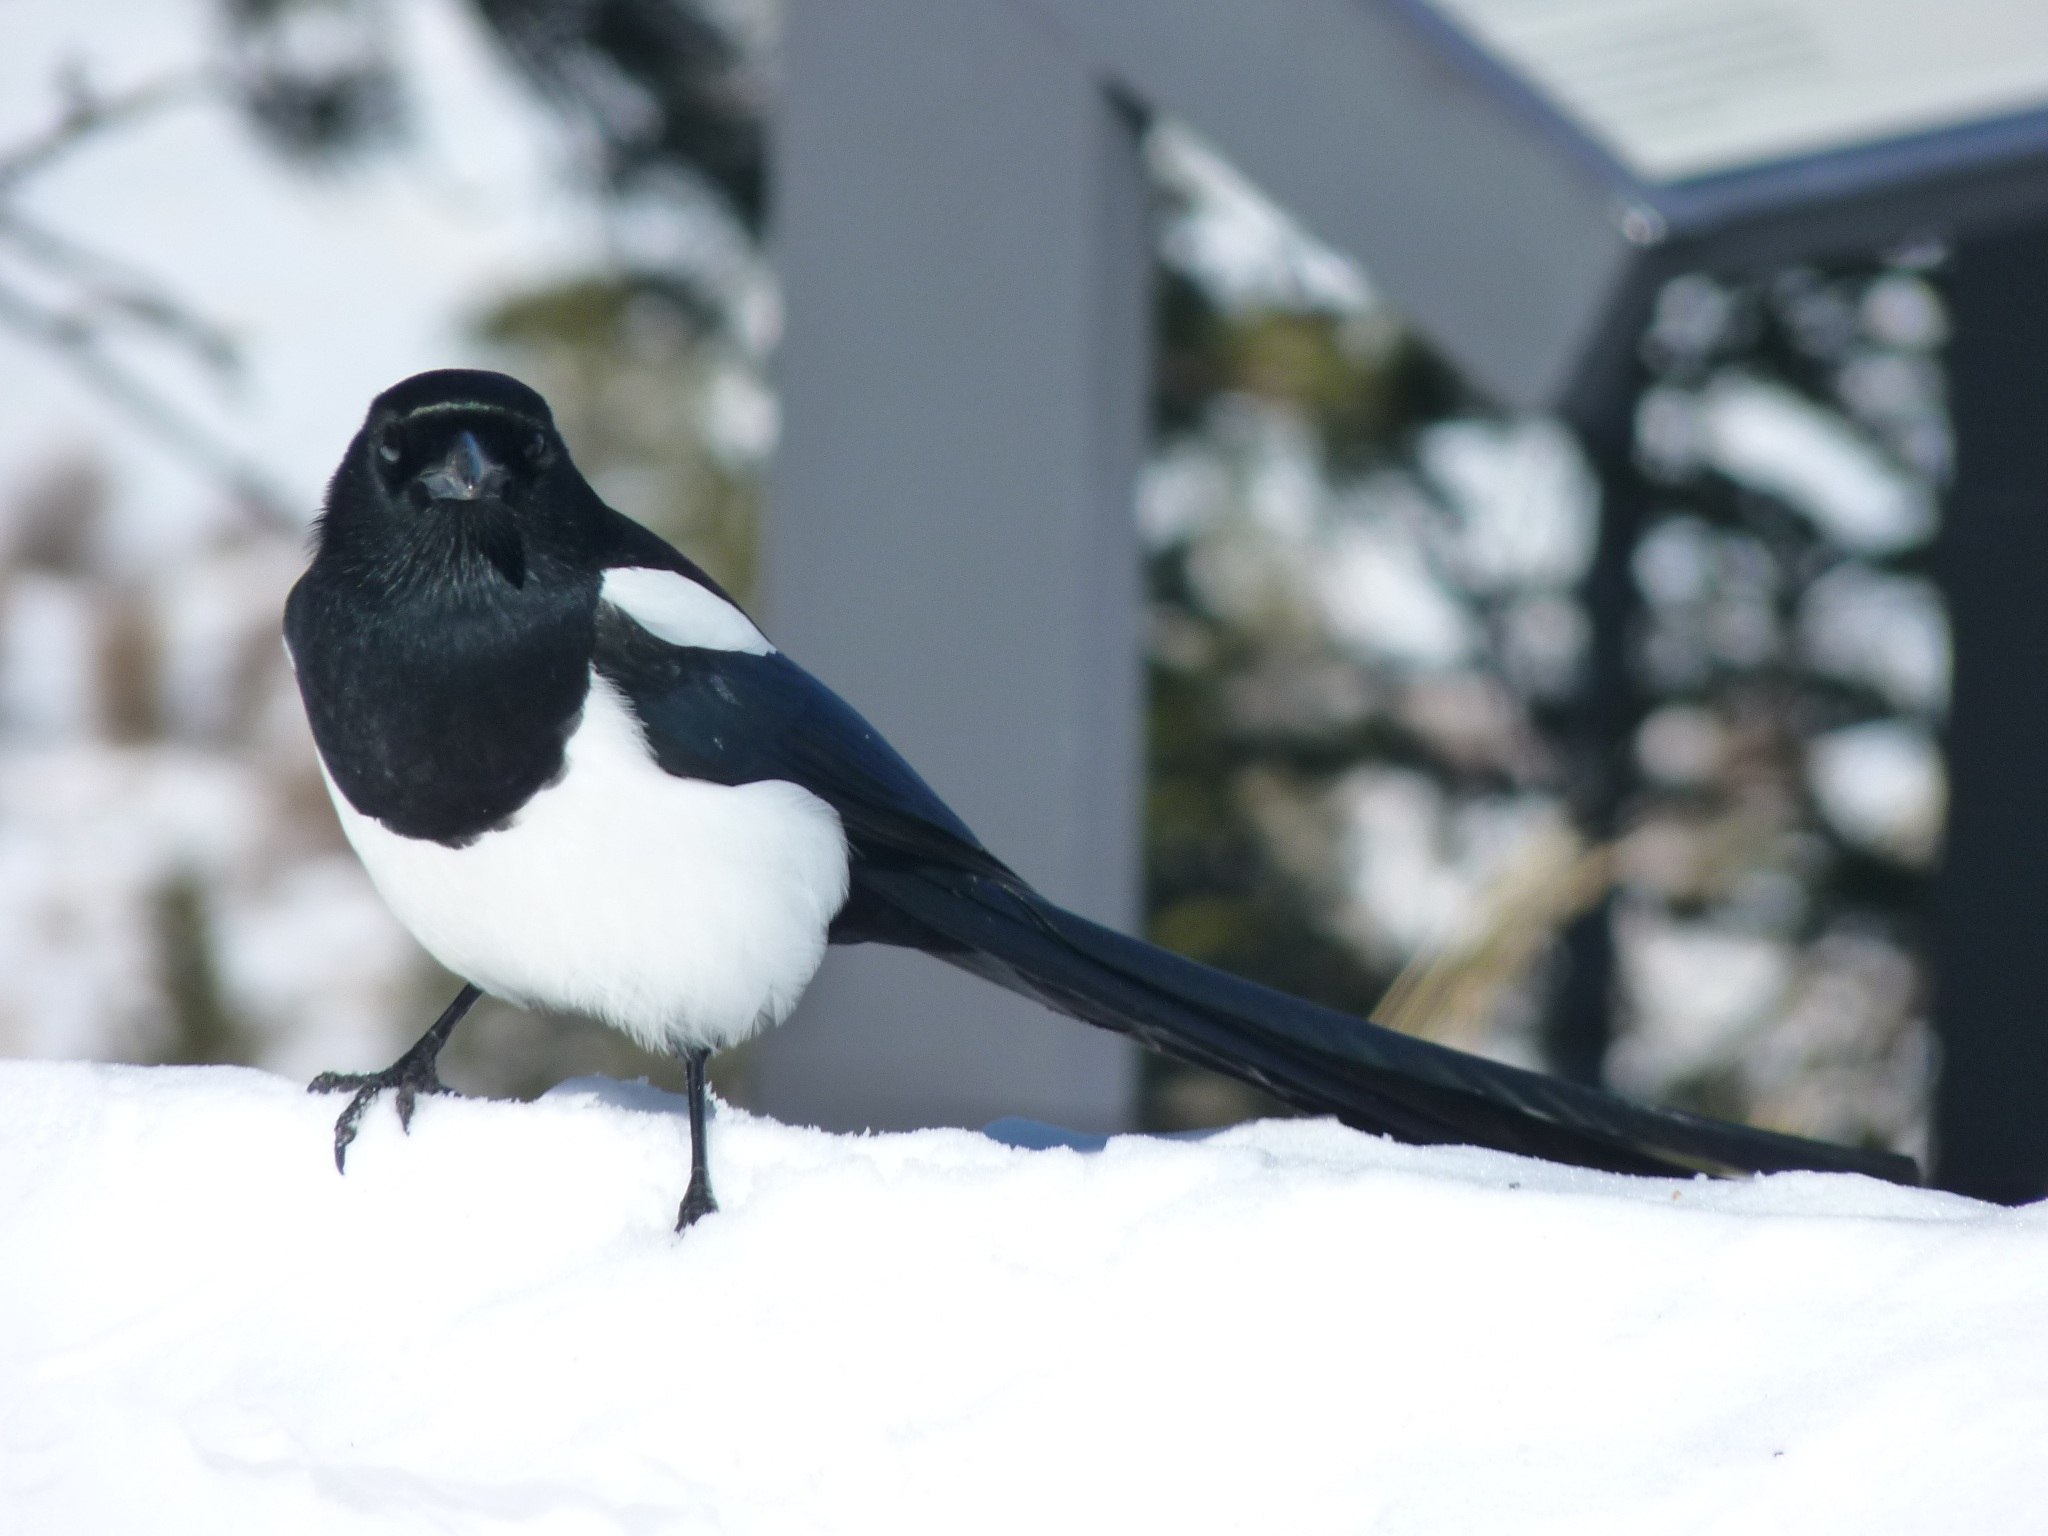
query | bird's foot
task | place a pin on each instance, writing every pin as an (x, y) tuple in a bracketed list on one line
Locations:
[(410, 1076), (697, 1202)]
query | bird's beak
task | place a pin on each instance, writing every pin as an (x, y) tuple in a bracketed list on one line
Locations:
[(466, 474)]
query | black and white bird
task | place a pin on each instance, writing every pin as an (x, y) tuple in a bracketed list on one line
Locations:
[(586, 782)]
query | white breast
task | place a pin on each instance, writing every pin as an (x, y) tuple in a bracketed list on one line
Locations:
[(681, 912)]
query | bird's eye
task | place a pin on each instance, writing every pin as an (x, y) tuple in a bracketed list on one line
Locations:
[(539, 451), (389, 448)]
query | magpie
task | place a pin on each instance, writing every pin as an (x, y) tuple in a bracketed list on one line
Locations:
[(587, 782)]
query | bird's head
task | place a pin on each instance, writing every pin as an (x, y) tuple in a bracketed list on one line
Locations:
[(456, 467)]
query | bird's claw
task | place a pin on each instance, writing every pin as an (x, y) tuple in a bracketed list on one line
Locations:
[(697, 1203), (405, 1077)]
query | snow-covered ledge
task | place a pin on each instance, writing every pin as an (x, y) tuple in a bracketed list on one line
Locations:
[(1289, 1327)]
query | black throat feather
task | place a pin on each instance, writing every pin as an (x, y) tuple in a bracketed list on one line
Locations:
[(443, 664)]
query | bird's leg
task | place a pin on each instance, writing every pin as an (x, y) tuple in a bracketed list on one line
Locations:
[(412, 1074), (697, 1199)]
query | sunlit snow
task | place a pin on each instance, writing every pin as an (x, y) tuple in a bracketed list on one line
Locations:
[(489, 1326)]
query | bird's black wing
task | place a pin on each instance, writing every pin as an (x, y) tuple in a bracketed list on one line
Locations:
[(734, 718), (919, 878)]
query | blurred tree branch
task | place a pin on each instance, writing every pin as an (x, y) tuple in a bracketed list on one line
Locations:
[(78, 303), (87, 113)]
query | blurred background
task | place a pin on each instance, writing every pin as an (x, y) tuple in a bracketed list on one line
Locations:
[(225, 224)]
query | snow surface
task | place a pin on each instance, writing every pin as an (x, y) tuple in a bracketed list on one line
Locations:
[(489, 1326)]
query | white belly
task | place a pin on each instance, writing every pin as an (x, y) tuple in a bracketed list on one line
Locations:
[(681, 912)]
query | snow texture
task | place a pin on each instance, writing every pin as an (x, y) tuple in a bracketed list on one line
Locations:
[(489, 1326)]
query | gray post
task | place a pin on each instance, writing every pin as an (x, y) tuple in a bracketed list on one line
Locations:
[(960, 227)]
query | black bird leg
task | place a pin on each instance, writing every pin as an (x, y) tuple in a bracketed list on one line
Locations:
[(697, 1199), (412, 1074)]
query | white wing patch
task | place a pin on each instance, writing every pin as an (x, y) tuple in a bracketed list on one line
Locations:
[(674, 608)]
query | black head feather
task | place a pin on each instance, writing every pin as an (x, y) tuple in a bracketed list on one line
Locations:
[(458, 477)]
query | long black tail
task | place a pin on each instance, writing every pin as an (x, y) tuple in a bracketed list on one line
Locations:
[(1315, 1058)]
